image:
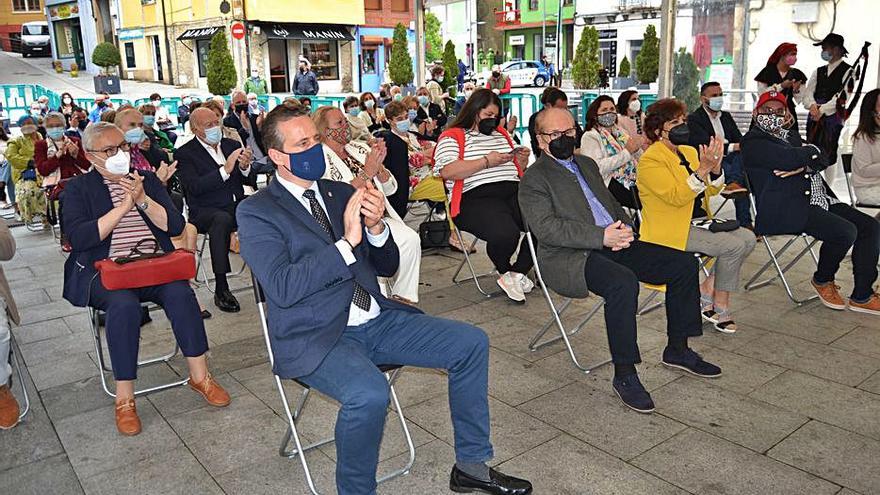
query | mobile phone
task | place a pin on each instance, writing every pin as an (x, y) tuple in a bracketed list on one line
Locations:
[(518, 149)]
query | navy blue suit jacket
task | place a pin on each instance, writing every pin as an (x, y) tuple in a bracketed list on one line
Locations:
[(86, 199), (307, 284), (200, 176)]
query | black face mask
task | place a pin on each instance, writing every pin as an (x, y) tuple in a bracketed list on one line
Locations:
[(563, 147), (101, 104), (382, 94), (679, 135), (496, 74), (82, 124), (241, 107), (486, 126)]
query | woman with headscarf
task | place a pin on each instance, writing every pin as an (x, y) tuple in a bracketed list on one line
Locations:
[(780, 75)]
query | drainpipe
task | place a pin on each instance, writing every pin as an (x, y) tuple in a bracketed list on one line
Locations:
[(167, 44), (667, 43)]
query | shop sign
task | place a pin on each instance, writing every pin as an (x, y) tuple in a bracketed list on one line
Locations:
[(63, 11), (517, 40), (130, 34)]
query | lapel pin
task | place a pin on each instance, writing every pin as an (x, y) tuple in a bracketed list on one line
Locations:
[(329, 194)]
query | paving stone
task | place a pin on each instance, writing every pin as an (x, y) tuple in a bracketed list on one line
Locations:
[(429, 474), (74, 398), (63, 370), (31, 297), (814, 323), (178, 400), (274, 474), (43, 330), (653, 375), (840, 456), (515, 381), (729, 415), (872, 384), (600, 419), (705, 464), (833, 403), (94, 446), (50, 475), (208, 420), (238, 443), (46, 351), (48, 311), (31, 440), (567, 466), (441, 301), (173, 472), (863, 340), (231, 356), (825, 362), (741, 374), (513, 432)]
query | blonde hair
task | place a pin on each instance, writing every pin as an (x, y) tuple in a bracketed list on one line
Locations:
[(320, 118)]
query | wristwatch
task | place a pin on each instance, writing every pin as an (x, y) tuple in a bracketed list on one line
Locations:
[(143, 206), (363, 176)]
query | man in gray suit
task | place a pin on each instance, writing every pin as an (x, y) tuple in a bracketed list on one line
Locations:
[(586, 243)]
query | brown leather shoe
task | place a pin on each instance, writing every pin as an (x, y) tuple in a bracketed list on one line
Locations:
[(829, 295), (127, 421), (871, 306), (211, 391), (8, 409)]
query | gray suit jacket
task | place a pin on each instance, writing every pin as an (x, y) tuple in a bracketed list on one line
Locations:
[(561, 221)]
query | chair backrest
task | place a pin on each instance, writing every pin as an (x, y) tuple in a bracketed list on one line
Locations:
[(260, 298), (846, 159)]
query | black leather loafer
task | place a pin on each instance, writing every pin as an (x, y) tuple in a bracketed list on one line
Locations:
[(226, 302), (498, 484)]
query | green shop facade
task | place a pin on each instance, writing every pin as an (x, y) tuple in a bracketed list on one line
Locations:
[(530, 29)]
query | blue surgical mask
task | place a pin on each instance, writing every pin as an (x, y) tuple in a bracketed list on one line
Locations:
[(715, 103), (402, 126), (213, 135), (423, 100), (369, 103), (55, 133), (308, 164), (134, 136), (149, 120), (354, 111), (411, 114), (826, 55)]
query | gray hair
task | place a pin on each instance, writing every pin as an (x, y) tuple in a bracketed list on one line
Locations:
[(54, 115), (95, 130), (235, 92)]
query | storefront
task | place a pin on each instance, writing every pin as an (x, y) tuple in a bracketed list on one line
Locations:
[(530, 44), (191, 65), (327, 47), (373, 49), (72, 32)]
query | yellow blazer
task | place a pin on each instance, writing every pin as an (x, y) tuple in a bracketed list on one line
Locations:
[(667, 199)]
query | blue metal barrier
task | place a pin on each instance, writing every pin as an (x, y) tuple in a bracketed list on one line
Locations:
[(522, 106)]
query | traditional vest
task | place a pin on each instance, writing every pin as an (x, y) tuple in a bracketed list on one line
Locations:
[(828, 85)]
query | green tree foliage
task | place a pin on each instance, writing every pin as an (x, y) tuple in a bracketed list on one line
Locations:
[(400, 65), (106, 55), (221, 69), (585, 70), (433, 41), (648, 59), (686, 79), (624, 70), (450, 68)]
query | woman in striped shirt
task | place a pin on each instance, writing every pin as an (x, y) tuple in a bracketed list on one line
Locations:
[(477, 159)]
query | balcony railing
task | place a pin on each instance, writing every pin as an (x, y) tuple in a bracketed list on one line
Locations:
[(504, 18)]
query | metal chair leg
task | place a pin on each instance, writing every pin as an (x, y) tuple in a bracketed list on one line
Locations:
[(780, 270), (646, 307), (26, 406), (202, 272), (467, 260)]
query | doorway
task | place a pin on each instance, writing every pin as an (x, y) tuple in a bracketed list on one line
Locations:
[(157, 58), (370, 68), (279, 81)]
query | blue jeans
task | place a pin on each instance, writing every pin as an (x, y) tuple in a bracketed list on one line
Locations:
[(733, 172), (349, 375)]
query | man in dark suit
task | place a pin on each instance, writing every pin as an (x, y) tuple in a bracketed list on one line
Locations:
[(316, 247), (585, 243), (247, 119), (710, 121), (213, 171)]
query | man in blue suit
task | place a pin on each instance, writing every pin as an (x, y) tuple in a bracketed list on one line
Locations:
[(316, 247)]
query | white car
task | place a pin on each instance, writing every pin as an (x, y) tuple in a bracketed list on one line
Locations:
[(521, 73)]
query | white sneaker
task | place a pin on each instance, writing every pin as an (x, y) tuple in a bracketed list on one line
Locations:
[(525, 282), (511, 286)]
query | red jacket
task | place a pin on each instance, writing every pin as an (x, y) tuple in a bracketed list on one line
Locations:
[(70, 166)]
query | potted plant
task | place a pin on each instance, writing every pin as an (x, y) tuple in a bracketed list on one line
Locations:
[(106, 56), (59, 68), (74, 70)]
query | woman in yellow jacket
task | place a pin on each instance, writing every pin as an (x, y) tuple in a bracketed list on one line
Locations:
[(671, 177), (20, 151)]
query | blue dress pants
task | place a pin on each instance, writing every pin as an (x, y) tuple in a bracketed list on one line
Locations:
[(733, 172), (349, 375)]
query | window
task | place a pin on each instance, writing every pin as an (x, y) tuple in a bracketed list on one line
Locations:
[(26, 6), (566, 3), (538, 44), (202, 47), (65, 38), (324, 57), (129, 55), (373, 4), (400, 5), (719, 42), (533, 4), (368, 58), (635, 46)]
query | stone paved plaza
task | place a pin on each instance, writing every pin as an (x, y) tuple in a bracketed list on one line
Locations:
[(796, 412)]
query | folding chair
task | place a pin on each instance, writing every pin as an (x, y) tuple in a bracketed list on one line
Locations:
[(646, 307), (557, 317), (16, 362), (467, 260), (846, 158), (202, 272), (103, 369), (293, 415)]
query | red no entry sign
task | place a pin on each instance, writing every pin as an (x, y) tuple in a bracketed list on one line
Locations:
[(237, 30)]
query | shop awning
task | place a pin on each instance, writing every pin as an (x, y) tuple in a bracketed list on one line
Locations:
[(199, 33), (297, 31)]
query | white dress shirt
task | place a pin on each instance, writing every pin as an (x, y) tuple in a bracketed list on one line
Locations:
[(716, 124), (356, 315), (217, 155), (808, 98)]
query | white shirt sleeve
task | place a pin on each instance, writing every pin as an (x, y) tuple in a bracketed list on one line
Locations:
[(345, 250), (247, 171), (807, 98), (224, 174), (378, 240), (695, 184)]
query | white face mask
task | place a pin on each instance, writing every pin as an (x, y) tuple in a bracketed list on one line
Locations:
[(118, 164), (635, 106)]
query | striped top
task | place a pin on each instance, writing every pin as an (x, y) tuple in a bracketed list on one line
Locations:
[(476, 145), (130, 230)]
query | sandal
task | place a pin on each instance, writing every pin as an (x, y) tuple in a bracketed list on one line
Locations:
[(707, 305), (725, 323)]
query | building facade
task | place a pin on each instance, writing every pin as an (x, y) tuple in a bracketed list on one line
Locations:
[(459, 23), (75, 28), (373, 40), (530, 27), (14, 13)]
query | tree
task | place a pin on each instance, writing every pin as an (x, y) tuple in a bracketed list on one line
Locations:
[(450, 68), (400, 65), (686, 79), (624, 70), (648, 59), (106, 55), (433, 41), (221, 69), (585, 71)]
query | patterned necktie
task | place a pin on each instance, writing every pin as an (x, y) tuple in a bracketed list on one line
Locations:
[(361, 297)]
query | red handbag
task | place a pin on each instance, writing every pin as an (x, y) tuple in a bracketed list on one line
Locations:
[(146, 269)]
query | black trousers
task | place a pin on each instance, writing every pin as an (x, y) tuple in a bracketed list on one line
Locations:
[(840, 228), (218, 224), (615, 276), (491, 212)]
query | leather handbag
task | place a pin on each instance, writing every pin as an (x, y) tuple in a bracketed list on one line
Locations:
[(434, 234), (146, 268)]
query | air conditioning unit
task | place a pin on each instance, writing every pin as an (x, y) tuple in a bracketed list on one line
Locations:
[(805, 13)]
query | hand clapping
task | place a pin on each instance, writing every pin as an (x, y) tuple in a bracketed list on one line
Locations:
[(710, 157), (134, 186)]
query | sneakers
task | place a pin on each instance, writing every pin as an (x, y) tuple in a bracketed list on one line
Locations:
[(633, 394), (733, 189), (9, 410), (511, 285), (525, 282), (690, 361), (829, 295), (871, 306)]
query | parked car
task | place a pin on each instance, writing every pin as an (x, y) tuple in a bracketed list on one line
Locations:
[(35, 39), (521, 73)]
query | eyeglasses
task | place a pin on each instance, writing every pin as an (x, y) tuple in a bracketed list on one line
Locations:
[(112, 150), (779, 113), (556, 134)]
